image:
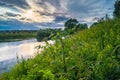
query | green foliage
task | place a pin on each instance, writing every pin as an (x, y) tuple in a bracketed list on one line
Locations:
[(6, 36), (117, 9), (81, 26), (47, 34), (71, 23), (91, 54), (101, 20), (42, 34), (39, 75), (72, 26)]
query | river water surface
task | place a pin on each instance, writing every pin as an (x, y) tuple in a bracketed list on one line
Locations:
[(10, 50)]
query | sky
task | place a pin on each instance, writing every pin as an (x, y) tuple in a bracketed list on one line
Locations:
[(41, 14)]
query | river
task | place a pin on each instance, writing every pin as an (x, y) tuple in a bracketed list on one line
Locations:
[(23, 49)]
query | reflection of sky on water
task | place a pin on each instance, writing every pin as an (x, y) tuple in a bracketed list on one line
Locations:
[(10, 50)]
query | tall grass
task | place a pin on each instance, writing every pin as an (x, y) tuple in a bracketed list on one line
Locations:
[(92, 54)]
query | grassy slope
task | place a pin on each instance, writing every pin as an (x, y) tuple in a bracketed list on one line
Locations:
[(87, 55)]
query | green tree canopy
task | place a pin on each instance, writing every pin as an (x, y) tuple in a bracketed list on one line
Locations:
[(72, 26), (117, 9), (81, 26), (71, 23)]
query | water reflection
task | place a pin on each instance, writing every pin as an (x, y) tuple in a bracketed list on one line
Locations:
[(22, 48), (10, 50)]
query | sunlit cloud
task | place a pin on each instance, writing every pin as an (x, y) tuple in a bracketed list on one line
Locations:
[(55, 12), (32, 16)]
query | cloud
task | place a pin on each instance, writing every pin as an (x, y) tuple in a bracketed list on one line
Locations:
[(60, 18), (11, 14), (85, 8), (14, 24), (54, 12), (19, 3)]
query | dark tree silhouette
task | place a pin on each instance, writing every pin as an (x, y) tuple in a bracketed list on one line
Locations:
[(81, 26), (116, 12), (71, 23)]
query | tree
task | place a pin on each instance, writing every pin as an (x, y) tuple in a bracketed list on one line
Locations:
[(71, 23), (81, 26), (116, 12), (42, 34), (94, 24), (72, 26)]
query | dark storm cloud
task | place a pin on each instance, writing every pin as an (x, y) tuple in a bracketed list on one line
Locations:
[(53, 2), (60, 18), (3, 4), (11, 14), (19, 3), (16, 25)]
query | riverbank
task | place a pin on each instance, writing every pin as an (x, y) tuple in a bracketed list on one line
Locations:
[(17, 35), (11, 40), (92, 54)]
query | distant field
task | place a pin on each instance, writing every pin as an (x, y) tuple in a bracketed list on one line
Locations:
[(7, 36)]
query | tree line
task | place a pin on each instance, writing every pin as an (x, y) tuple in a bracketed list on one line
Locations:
[(71, 26)]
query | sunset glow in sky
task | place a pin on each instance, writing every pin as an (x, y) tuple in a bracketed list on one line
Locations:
[(35, 14)]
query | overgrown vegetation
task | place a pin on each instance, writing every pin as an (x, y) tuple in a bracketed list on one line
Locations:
[(6, 36), (92, 54), (71, 26), (46, 34)]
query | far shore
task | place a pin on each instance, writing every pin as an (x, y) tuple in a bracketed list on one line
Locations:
[(13, 40)]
